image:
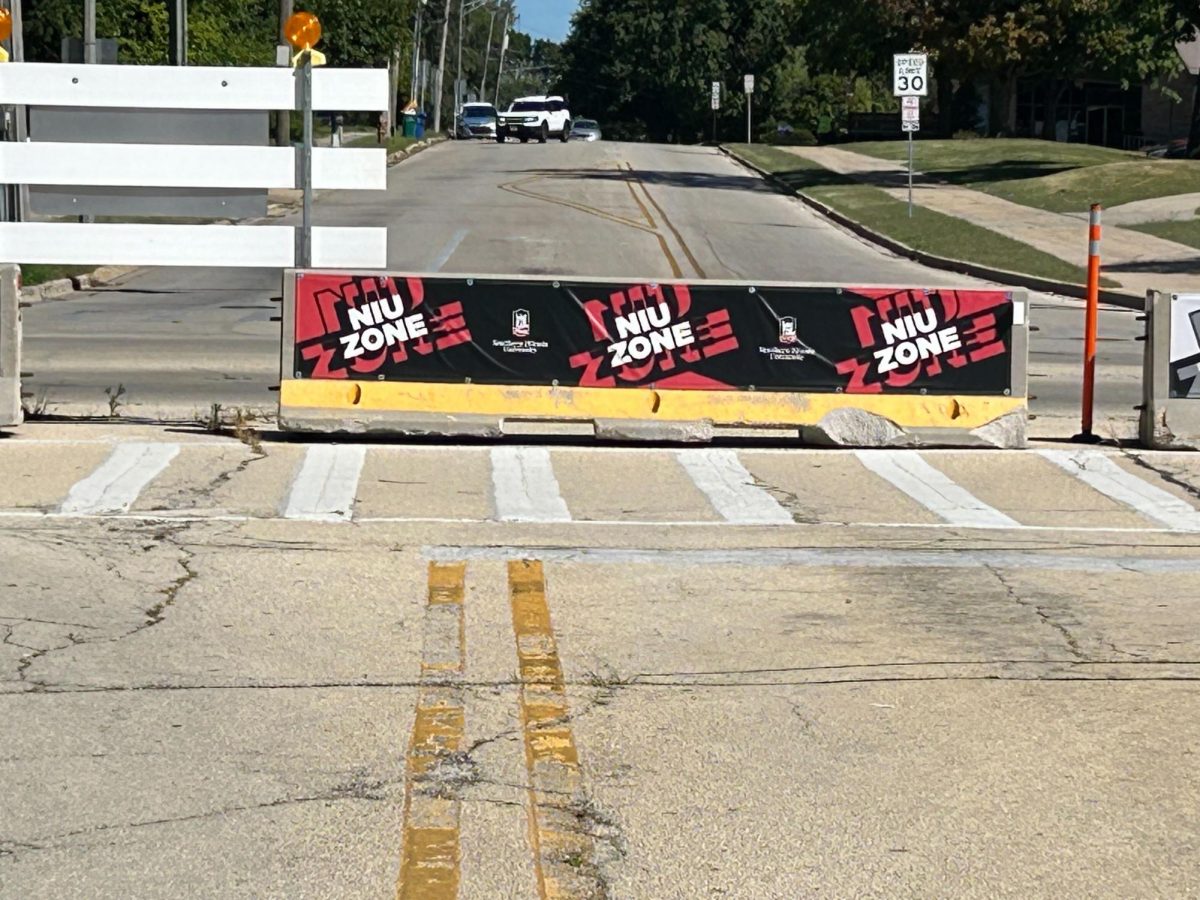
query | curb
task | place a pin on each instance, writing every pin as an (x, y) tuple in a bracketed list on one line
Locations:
[(414, 149), (60, 288), (975, 270)]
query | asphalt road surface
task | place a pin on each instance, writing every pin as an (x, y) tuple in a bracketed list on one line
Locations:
[(180, 340), (245, 666)]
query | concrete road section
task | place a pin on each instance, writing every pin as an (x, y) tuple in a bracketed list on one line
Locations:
[(263, 669), (178, 341)]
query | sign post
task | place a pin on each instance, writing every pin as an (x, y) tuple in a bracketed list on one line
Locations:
[(716, 104), (303, 30), (749, 88), (910, 82)]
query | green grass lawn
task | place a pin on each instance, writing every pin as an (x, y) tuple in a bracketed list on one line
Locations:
[(39, 274), (1181, 232), (979, 162), (1045, 174), (928, 231), (1110, 185)]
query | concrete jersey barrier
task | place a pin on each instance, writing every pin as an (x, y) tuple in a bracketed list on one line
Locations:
[(10, 346), (1171, 403), (405, 353)]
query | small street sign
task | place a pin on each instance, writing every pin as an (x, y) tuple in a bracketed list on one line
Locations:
[(716, 95), (749, 84), (910, 75), (910, 126)]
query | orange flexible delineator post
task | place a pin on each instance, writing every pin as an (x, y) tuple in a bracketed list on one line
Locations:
[(1086, 434)]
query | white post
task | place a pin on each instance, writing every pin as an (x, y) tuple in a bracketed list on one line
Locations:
[(89, 31), (749, 107), (304, 256), (910, 173)]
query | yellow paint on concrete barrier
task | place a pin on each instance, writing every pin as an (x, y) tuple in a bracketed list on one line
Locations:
[(720, 407)]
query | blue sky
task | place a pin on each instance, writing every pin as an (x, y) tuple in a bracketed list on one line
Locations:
[(546, 18)]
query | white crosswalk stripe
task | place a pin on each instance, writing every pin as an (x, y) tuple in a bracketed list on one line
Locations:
[(731, 489), (908, 471), (114, 487), (524, 486), (1098, 471), (325, 487)]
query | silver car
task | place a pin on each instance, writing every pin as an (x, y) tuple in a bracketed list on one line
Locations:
[(477, 120), (585, 130)]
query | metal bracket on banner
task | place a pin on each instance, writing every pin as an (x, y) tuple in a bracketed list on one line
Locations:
[(671, 360), (1170, 414), (10, 347)]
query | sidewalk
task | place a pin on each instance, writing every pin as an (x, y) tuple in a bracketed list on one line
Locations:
[(1137, 261)]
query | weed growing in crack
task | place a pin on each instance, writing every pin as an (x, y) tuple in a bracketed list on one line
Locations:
[(38, 409), (116, 399)]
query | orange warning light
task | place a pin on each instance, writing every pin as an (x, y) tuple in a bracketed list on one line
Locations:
[(5, 24), (302, 31)]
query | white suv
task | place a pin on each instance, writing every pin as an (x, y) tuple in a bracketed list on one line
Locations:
[(535, 117)]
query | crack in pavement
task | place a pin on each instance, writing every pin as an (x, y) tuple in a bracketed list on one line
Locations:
[(355, 789), (163, 534), (1042, 614)]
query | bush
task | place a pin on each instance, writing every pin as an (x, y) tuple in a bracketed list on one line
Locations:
[(967, 134)]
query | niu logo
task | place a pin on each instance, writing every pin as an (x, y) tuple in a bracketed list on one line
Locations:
[(520, 323), (787, 330)]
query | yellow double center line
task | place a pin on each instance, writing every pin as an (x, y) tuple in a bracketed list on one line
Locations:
[(429, 867), (564, 851)]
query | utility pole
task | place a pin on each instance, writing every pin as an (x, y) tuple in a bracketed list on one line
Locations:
[(503, 48), (487, 56), (462, 16), (89, 31), (416, 62), (283, 118), (437, 81), (178, 16)]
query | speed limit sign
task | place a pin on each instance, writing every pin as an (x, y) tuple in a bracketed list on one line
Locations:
[(910, 75)]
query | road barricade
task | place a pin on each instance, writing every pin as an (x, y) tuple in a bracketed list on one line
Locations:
[(668, 360), (1171, 387), (10, 346)]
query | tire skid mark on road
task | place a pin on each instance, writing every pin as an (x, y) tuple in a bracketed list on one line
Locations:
[(564, 851), (431, 853), (687, 251), (518, 187)]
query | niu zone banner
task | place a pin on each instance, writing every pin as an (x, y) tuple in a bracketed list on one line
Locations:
[(710, 336)]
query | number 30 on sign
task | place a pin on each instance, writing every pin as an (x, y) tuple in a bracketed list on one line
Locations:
[(910, 75)]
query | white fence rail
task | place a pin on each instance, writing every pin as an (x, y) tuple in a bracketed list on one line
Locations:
[(267, 247), (188, 166), (192, 166), (189, 87)]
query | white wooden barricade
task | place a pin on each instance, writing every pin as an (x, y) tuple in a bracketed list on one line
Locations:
[(188, 166)]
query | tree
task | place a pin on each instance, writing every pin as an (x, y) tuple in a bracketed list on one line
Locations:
[(646, 65)]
